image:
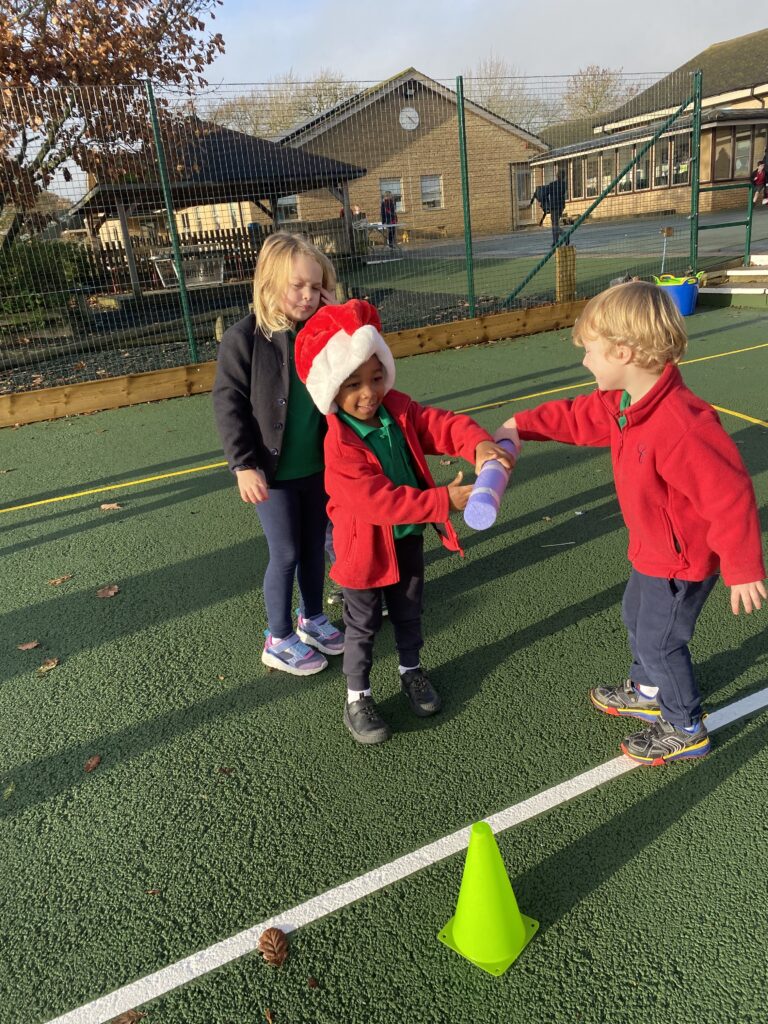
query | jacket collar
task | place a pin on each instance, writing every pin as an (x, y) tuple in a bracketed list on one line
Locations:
[(668, 382)]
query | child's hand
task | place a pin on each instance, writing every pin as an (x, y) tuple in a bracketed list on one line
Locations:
[(252, 485), (748, 594), (458, 493), (328, 298), (508, 432), (487, 450)]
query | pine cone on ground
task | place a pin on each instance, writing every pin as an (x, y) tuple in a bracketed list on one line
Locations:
[(274, 946)]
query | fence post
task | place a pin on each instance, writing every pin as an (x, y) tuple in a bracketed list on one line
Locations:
[(565, 274), (176, 248), (695, 170), (465, 196)]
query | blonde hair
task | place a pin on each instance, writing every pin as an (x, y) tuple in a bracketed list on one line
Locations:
[(273, 269), (639, 315)]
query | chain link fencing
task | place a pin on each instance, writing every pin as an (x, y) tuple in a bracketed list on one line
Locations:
[(132, 221)]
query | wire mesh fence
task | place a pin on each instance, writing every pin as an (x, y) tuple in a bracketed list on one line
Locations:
[(132, 222)]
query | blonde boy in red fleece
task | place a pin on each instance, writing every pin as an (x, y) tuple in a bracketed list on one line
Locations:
[(381, 494), (686, 498)]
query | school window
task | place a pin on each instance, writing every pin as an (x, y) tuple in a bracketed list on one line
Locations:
[(185, 222), (643, 172), (432, 192), (761, 145), (723, 154), (742, 152), (624, 158), (681, 159), (577, 183), (395, 186), (592, 175), (661, 163), (609, 169), (287, 208)]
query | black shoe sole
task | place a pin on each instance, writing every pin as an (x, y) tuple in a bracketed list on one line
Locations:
[(368, 738), (418, 709)]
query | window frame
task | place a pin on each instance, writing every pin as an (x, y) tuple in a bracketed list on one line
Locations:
[(440, 205), (284, 203)]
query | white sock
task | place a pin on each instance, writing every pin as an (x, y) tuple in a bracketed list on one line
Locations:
[(411, 668), (353, 695), (649, 692)]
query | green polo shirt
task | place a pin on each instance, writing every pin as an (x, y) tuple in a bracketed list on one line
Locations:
[(624, 403), (388, 445), (302, 450)]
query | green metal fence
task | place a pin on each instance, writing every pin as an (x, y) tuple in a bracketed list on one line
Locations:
[(133, 245)]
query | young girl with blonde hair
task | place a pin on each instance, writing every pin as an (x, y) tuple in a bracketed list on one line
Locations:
[(272, 435)]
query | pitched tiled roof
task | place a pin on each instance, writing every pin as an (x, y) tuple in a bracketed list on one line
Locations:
[(729, 66)]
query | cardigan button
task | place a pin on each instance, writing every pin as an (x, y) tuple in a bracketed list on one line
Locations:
[(273, 451), (277, 426), (281, 401)]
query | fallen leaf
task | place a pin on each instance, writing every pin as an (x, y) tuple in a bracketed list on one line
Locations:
[(47, 665), (29, 645), (273, 945), (547, 519), (4, 471), (268, 1016), (153, 892), (313, 983), (578, 512), (226, 771), (220, 678), (446, 462), (92, 763), (110, 506), (78, 366), (59, 580), (128, 1017), (109, 591), (8, 791)]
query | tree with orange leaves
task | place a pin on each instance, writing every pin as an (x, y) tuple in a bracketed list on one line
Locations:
[(72, 86)]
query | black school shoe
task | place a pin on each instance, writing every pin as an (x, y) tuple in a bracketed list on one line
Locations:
[(363, 720), (422, 696)]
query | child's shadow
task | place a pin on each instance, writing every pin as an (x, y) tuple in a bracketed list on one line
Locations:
[(460, 679)]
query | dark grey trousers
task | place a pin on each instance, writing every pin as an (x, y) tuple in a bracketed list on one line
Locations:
[(362, 615)]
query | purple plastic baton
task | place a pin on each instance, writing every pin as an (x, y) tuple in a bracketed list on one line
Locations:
[(484, 501)]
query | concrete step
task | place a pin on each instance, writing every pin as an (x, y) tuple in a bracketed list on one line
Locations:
[(748, 275), (754, 296)]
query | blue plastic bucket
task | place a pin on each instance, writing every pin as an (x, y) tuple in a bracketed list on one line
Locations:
[(682, 290)]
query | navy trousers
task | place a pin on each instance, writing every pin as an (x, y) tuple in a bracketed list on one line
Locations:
[(294, 521), (660, 616)]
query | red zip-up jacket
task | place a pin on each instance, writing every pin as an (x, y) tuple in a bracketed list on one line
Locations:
[(363, 503), (685, 495)]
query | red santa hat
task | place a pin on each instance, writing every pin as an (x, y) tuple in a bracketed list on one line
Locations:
[(334, 343)]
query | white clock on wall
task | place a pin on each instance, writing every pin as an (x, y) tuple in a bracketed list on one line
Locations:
[(409, 118)]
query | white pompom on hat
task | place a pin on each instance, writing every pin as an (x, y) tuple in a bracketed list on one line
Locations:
[(334, 343)]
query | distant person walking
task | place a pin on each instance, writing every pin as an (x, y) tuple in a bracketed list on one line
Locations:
[(758, 180), (558, 193), (389, 217)]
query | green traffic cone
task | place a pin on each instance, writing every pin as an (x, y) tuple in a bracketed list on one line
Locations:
[(487, 928)]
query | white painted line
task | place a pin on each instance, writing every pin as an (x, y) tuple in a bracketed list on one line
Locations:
[(183, 971)]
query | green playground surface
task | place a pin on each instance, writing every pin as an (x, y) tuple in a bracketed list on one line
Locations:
[(226, 795), (496, 276)]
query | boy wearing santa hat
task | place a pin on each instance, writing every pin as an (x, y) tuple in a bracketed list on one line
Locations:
[(381, 495)]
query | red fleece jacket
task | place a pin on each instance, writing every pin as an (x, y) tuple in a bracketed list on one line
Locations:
[(364, 504), (685, 495)]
